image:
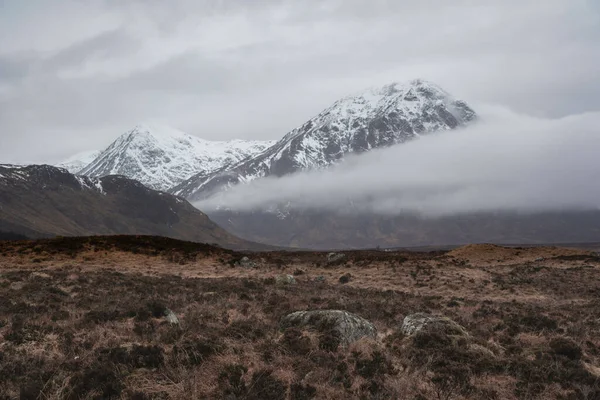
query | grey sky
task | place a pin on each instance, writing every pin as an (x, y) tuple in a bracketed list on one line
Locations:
[(74, 75)]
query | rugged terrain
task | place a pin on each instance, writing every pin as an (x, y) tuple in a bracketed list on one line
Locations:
[(154, 318), (78, 161), (161, 157), (376, 118), (44, 201)]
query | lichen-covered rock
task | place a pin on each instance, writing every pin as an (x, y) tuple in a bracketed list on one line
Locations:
[(414, 323), (347, 326), (335, 257), (285, 279), (171, 317), (245, 262)]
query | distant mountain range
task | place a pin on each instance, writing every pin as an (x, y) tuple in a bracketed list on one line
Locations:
[(191, 168), (43, 201), (376, 118), (167, 159), (161, 157)]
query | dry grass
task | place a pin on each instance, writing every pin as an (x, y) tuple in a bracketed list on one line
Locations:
[(83, 319)]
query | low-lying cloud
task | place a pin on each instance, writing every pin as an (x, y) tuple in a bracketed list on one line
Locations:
[(505, 162)]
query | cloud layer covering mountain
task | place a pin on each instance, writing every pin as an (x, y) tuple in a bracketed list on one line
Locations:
[(506, 161)]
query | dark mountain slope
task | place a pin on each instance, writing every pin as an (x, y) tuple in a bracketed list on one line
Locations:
[(330, 230), (43, 201)]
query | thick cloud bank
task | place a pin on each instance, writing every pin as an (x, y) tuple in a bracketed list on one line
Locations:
[(503, 162)]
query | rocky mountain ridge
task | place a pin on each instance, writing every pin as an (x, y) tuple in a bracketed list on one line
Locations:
[(376, 118), (161, 157)]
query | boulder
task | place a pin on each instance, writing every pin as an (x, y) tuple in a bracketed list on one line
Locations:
[(285, 279), (347, 326), (320, 278), (245, 262), (335, 257), (414, 323), (171, 317)]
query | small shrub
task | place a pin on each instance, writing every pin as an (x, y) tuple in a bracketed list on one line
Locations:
[(157, 309), (101, 316), (231, 380), (299, 391), (345, 278), (31, 391), (142, 314), (246, 329), (98, 378), (195, 352), (146, 356), (137, 357), (566, 348), (294, 341), (264, 386), (144, 329), (329, 340), (371, 367)]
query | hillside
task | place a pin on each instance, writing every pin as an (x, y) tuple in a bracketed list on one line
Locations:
[(330, 230), (44, 201)]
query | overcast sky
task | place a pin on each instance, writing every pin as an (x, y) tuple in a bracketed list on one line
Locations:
[(76, 74)]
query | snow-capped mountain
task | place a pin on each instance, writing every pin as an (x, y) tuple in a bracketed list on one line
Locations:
[(378, 117), (75, 163), (162, 157)]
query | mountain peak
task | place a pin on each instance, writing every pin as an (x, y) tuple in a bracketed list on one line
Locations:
[(156, 133), (77, 162), (377, 117), (161, 157)]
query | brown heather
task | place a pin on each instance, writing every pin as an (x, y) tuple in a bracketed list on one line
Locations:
[(83, 318)]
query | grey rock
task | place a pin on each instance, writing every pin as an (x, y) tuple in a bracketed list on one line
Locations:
[(349, 327), (539, 259), (414, 323), (320, 278), (245, 262), (171, 317), (334, 257), (285, 280)]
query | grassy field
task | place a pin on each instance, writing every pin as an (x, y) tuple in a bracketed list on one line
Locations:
[(84, 318)]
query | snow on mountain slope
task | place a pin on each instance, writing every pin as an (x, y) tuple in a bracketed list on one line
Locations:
[(378, 117), (162, 157), (75, 163)]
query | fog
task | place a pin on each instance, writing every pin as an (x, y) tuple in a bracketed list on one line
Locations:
[(505, 161)]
